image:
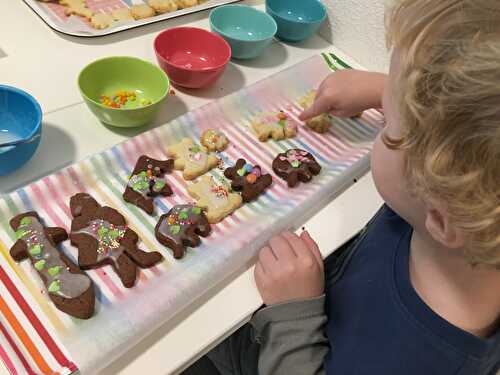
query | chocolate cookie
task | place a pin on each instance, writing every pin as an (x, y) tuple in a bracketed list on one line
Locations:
[(146, 182), (181, 227), (68, 287), (296, 165), (102, 237), (248, 179)]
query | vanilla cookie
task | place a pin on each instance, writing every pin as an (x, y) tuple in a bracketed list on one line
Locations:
[(142, 11), (76, 7), (186, 3), (163, 6), (214, 140), (215, 198), (319, 124), (192, 159), (101, 21), (122, 14), (277, 125)]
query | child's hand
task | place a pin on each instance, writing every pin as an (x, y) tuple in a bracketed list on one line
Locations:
[(347, 93), (290, 268)]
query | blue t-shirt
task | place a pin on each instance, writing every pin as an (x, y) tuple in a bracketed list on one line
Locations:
[(378, 325)]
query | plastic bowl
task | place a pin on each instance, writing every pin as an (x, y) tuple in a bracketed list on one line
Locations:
[(20, 118), (111, 75), (297, 20), (192, 57), (247, 30)]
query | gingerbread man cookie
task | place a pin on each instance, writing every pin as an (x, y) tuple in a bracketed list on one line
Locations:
[(215, 198), (192, 159), (214, 140), (319, 124), (248, 179), (68, 287), (102, 237), (276, 125), (296, 165), (147, 182), (181, 227)]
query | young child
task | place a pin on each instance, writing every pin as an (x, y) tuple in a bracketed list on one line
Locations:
[(418, 292)]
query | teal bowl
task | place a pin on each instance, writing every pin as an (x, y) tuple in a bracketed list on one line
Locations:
[(247, 30), (297, 20)]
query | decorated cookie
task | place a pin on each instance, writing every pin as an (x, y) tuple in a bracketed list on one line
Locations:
[(122, 14), (147, 182), (248, 179), (102, 237), (192, 159), (319, 124), (142, 11), (181, 227), (215, 198), (214, 140), (101, 21), (277, 125), (67, 286), (76, 7), (186, 3), (296, 165), (163, 6)]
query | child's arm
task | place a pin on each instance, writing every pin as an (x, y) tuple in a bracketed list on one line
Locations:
[(291, 330), (347, 93)]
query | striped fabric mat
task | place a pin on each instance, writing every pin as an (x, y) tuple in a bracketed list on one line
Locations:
[(35, 338)]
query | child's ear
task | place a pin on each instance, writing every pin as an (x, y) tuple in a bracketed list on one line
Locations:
[(442, 230)]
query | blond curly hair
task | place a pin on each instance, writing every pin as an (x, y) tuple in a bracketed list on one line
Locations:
[(448, 96)]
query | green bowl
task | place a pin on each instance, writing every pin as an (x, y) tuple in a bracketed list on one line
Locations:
[(111, 75)]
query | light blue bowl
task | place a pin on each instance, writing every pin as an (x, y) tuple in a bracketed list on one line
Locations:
[(20, 118), (247, 30), (297, 19)]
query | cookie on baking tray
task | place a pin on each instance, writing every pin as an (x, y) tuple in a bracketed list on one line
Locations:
[(214, 140), (182, 226), (319, 124), (76, 7), (147, 181), (163, 6), (67, 286), (102, 237), (186, 3), (215, 198), (192, 159), (275, 125), (101, 21), (296, 165), (142, 11), (122, 14), (248, 179)]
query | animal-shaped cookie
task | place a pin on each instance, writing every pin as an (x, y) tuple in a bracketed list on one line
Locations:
[(101, 21), (67, 286), (296, 165), (276, 125), (76, 7), (215, 198), (320, 123), (163, 6), (248, 179), (214, 140), (181, 227), (186, 3), (147, 182), (192, 159), (141, 11), (102, 237)]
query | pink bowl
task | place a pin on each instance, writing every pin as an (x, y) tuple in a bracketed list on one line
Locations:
[(192, 57)]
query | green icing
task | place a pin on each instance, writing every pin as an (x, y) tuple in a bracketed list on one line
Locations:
[(295, 163), (102, 231), (143, 174), (114, 234), (175, 229), (26, 221), (53, 271), (196, 210), (55, 286), (183, 215), (195, 149), (20, 233), (241, 172), (40, 265), (36, 249), (159, 185), (282, 123)]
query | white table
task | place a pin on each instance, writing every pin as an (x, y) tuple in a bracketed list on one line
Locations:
[(46, 64)]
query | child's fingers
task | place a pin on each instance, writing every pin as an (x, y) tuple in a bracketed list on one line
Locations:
[(312, 246), (281, 248), (266, 258), (298, 246)]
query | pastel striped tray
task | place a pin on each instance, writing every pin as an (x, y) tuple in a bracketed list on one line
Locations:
[(36, 338)]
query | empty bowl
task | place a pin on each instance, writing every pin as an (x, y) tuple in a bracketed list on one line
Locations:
[(123, 91), (192, 57), (20, 118), (297, 20), (247, 30)]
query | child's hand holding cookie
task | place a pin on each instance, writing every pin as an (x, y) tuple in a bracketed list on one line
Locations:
[(290, 268), (347, 93)]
